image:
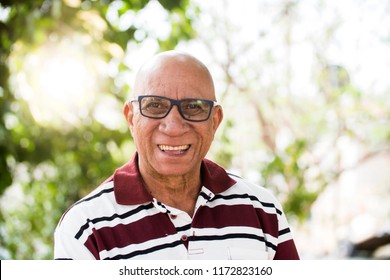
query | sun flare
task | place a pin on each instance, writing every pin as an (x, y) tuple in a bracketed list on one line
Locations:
[(59, 80)]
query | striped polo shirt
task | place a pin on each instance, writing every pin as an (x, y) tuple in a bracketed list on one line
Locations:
[(233, 219)]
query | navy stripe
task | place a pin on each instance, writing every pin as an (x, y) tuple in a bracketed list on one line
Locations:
[(205, 196), (163, 206), (147, 251), (183, 228), (234, 175), (251, 197), (110, 218), (95, 196), (233, 236), (284, 231)]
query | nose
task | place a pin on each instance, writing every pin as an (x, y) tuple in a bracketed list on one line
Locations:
[(174, 124)]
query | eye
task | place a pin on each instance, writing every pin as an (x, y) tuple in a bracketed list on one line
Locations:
[(195, 107), (155, 105)]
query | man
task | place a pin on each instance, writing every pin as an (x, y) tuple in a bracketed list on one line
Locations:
[(168, 201)]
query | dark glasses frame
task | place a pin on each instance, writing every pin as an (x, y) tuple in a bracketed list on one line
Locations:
[(173, 102)]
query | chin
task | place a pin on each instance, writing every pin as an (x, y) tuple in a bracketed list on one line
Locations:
[(174, 170)]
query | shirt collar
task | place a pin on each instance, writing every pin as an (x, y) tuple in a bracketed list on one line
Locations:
[(130, 190)]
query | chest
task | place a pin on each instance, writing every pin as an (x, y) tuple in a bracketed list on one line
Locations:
[(216, 231)]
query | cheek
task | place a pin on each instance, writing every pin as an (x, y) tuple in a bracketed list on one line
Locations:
[(140, 133), (207, 135), (143, 130)]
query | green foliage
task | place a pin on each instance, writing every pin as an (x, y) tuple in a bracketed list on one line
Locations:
[(52, 166), (181, 24), (287, 164), (225, 148)]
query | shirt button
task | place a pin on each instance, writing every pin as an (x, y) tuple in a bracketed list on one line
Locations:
[(173, 216), (184, 238)]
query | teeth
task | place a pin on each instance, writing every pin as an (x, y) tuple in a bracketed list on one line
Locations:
[(173, 148)]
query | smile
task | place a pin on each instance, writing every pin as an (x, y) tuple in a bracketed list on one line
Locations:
[(181, 148)]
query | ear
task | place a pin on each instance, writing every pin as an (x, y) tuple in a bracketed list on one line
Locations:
[(217, 117), (129, 114)]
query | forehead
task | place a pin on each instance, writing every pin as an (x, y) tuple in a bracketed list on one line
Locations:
[(175, 77)]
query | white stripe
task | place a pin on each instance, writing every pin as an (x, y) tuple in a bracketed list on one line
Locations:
[(227, 230), (285, 237), (146, 246), (235, 230), (241, 201)]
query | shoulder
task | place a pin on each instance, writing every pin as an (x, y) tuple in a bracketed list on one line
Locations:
[(243, 185), (259, 195), (90, 206)]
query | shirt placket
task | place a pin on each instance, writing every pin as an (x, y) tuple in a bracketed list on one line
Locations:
[(204, 197), (181, 219)]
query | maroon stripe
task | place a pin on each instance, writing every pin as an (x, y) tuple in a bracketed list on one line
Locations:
[(286, 251), (120, 235), (236, 215), (91, 244)]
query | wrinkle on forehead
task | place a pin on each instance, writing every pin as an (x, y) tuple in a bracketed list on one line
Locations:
[(173, 65)]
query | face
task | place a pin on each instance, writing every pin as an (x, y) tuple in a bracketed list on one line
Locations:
[(172, 146)]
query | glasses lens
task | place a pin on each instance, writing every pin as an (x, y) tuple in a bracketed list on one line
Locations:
[(155, 107), (195, 109)]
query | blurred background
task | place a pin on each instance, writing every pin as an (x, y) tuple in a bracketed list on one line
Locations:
[(304, 85)]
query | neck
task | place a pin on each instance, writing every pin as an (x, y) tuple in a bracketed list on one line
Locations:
[(180, 192)]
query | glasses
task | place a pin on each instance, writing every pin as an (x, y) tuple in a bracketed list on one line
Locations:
[(191, 109)]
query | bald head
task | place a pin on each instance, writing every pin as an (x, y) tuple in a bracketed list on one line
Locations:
[(175, 75)]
